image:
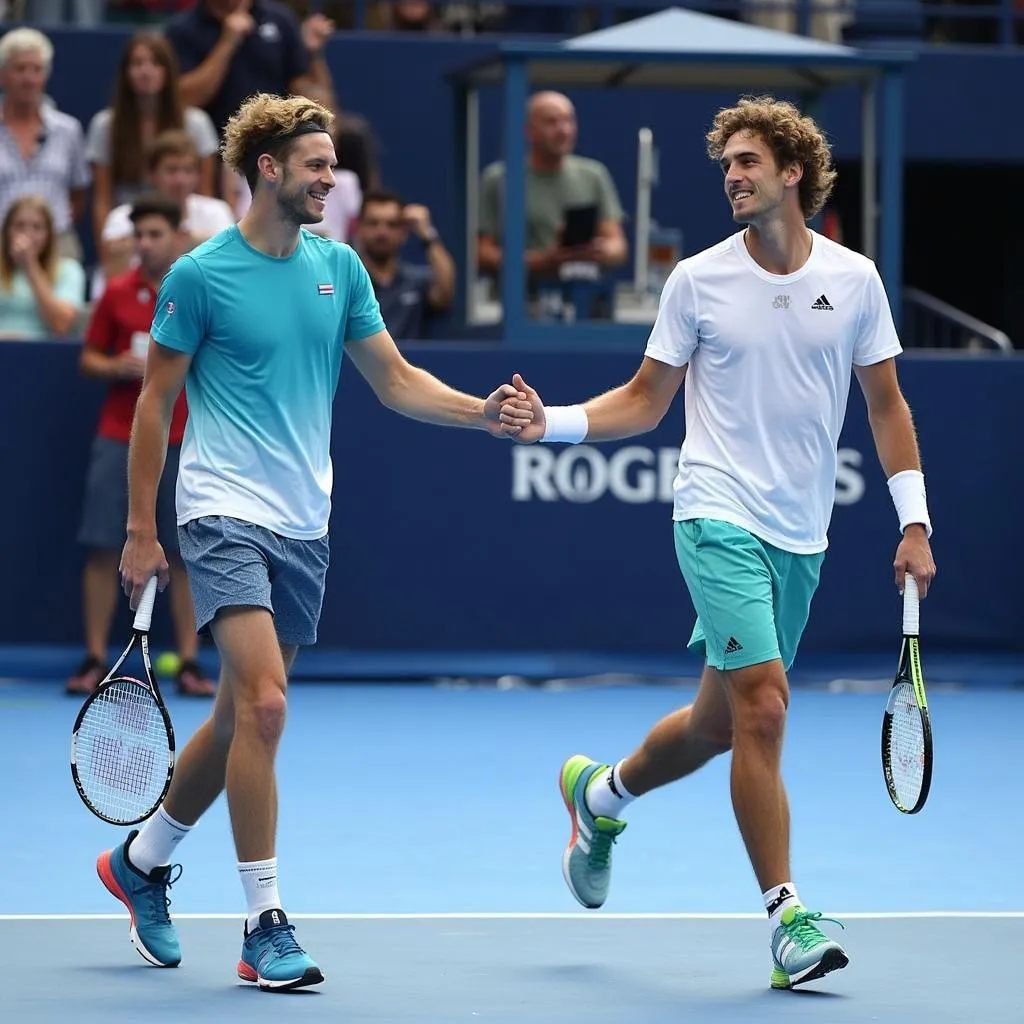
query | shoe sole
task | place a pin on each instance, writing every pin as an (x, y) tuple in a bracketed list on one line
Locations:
[(109, 880), (313, 976), (833, 960), (566, 856)]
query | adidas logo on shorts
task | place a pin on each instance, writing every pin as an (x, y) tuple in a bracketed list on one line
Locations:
[(733, 646)]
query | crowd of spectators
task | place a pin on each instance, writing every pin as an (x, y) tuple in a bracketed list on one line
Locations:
[(171, 95), (67, 189)]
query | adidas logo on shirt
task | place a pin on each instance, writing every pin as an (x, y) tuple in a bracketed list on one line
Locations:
[(821, 302)]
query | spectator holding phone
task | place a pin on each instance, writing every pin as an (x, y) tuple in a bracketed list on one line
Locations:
[(573, 213)]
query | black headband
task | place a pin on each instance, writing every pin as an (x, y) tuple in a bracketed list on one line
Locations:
[(304, 128)]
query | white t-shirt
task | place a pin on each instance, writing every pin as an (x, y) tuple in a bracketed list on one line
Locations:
[(770, 358), (98, 143), (204, 216)]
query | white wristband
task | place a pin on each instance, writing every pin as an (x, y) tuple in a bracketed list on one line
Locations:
[(910, 499), (566, 423)]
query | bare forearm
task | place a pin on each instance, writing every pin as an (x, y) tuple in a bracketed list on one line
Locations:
[(488, 255), (615, 252), (622, 412), (895, 439), (199, 86), (421, 396), (540, 261), (443, 268), (99, 365), (318, 75), (56, 313), (146, 461)]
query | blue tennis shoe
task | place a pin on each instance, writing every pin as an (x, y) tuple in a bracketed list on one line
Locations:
[(272, 959), (152, 932)]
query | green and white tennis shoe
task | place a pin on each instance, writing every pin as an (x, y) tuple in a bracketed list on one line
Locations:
[(587, 861), (801, 951)]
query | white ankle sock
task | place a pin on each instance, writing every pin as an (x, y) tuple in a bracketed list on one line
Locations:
[(606, 796), (259, 880), (776, 900), (154, 845)]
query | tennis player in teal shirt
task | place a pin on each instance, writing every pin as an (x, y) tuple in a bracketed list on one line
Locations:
[(254, 324)]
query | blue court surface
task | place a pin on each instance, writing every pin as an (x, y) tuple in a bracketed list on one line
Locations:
[(421, 834)]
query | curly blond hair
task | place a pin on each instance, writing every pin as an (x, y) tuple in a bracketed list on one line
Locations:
[(791, 136), (265, 123)]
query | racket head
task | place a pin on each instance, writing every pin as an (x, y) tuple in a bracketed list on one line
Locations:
[(122, 744), (907, 734)]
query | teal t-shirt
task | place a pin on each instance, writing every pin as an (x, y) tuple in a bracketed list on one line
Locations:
[(267, 337)]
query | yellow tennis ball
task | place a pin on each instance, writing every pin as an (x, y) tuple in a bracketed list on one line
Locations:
[(167, 664)]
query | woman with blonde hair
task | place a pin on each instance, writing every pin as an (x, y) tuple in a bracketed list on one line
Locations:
[(41, 292), (146, 102)]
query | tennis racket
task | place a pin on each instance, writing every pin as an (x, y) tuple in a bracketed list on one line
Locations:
[(906, 724), (122, 745)]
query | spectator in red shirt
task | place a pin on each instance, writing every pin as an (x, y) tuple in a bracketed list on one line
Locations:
[(116, 343)]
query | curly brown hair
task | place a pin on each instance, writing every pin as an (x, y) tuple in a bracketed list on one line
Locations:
[(791, 136), (264, 123)]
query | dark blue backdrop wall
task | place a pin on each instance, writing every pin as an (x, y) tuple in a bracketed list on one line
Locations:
[(955, 112), (450, 540)]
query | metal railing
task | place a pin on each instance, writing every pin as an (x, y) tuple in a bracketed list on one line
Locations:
[(933, 324)]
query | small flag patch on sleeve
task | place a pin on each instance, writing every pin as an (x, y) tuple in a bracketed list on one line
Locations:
[(325, 289)]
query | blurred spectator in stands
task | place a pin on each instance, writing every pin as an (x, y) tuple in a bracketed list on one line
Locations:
[(174, 169), (230, 49), (54, 12), (477, 18), (409, 16), (356, 148), (408, 293), (544, 19), (782, 16), (42, 151), (41, 292), (556, 181), (145, 103), (116, 343), (340, 211)]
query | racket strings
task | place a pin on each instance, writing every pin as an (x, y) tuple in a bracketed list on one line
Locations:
[(906, 745), (122, 751)]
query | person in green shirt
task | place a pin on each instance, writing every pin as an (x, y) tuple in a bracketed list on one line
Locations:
[(557, 180)]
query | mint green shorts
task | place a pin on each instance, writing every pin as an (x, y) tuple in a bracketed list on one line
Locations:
[(752, 599)]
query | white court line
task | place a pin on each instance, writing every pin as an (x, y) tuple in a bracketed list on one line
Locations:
[(573, 916)]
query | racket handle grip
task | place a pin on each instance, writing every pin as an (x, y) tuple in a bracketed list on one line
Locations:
[(144, 613), (911, 607)]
